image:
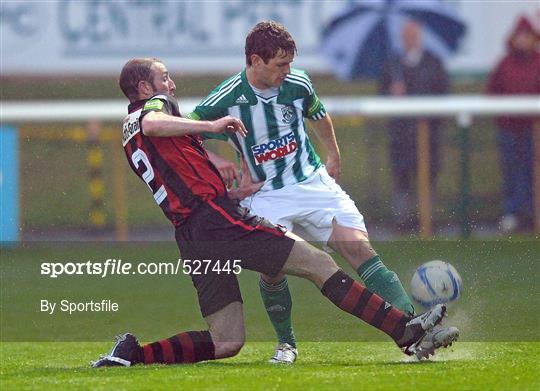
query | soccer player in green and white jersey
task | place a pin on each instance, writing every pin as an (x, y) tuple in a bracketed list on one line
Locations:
[(272, 100)]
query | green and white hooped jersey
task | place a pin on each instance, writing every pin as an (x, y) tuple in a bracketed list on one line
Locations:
[(277, 147)]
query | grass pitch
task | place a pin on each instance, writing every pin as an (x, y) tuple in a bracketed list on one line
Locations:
[(321, 365), (498, 316)]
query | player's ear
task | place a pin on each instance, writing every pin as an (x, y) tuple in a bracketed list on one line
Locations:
[(145, 88), (256, 60)]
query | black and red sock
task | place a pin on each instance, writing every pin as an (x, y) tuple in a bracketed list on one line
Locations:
[(188, 347), (356, 299)]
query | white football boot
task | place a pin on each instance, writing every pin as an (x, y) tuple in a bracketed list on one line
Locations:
[(435, 338), (285, 354), (419, 327), (425, 334)]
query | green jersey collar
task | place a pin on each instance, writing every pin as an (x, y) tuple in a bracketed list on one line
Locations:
[(248, 92)]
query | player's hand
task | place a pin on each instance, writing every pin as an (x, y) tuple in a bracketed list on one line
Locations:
[(246, 187), (228, 124), (333, 166), (227, 169)]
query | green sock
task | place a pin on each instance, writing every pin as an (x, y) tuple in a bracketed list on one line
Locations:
[(278, 304), (385, 283)]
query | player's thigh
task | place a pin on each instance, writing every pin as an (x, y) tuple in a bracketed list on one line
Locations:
[(309, 262), (226, 327), (215, 290), (227, 324), (225, 233), (329, 204)]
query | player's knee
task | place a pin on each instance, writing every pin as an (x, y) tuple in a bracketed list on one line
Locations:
[(357, 251), (228, 349), (235, 347), (310, 263), (327, 262), (226, 327), (352, 244), (354, 249), (320, 266), (228, 341)]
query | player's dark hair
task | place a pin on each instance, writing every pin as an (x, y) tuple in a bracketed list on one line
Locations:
[(266, 39), (135, 70)]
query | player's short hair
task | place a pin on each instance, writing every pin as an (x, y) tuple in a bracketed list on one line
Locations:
[(136, 70), (266, 39)]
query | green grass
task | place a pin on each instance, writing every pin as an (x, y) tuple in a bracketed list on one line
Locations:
[(499, 303), (498, 316), (357, 365)]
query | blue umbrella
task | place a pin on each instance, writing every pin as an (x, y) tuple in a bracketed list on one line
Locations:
[(359, 39)]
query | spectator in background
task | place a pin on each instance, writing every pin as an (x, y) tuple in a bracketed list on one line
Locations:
[(414, 72), (517, 73)]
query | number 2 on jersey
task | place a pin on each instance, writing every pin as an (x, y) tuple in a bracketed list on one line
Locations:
[(140, 156)]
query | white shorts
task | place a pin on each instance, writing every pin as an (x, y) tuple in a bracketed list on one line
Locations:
[(308, 208)]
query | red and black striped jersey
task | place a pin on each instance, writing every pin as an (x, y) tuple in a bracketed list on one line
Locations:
[(176, 169)]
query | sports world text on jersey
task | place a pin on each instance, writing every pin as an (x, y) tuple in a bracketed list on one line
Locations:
[(274, 149)]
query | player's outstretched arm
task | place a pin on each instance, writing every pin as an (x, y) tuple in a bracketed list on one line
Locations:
[(159, 124), (228, 124), (324, 129)]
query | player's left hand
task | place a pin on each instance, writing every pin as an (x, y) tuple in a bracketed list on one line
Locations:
[(333, 166), (228, 124), (246, 187), (227, 169)]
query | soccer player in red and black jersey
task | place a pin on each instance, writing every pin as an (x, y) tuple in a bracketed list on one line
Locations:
[(166, 152)]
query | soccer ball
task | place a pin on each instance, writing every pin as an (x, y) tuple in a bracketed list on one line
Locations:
[(436, 282)]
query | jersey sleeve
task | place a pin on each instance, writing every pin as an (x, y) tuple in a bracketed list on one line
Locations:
[(215, 136), (206, 111), (313, 107), (163, 103)]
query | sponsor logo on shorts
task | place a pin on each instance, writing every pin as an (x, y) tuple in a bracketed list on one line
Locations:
[(274, 149)]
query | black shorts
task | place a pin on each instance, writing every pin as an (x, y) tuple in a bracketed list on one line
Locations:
[(222, 231)]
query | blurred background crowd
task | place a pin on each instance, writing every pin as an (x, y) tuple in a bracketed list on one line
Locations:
[(69, 178)]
